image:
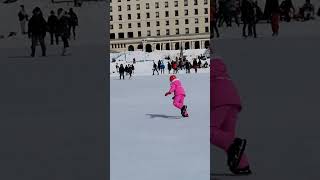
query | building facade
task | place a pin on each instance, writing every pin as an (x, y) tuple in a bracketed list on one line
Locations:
[(159, 24)]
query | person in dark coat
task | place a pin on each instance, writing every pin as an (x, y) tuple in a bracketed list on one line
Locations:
[(63, 29), (155, 68), (187, 67), (73, 22), (159, 64), (121, 71), (37, 31), (53, 28), (248, 18), (213, 20), (285, 8), (132, 67), (23, 18), (169, 67), (195, 65)]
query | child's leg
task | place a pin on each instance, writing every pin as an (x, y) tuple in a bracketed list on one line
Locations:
[(222, 129), (178, 101)]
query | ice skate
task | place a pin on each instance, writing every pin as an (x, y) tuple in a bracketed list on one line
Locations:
[(235, 152), (242, 171)]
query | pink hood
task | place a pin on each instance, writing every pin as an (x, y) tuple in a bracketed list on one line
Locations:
[(222, 90), (176, 87)]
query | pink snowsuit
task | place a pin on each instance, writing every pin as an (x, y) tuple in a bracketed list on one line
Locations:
[(179, 93), (225, 104)]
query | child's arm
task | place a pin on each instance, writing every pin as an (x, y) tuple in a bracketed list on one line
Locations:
[(172, 88)]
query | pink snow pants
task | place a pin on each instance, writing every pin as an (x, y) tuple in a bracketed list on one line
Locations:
[(178, 101), (222, 129)]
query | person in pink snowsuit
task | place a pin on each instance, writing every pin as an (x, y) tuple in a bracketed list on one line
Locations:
[(179, 95), (225, 104)]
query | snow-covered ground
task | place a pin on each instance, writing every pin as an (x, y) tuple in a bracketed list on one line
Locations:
[(144, 61), (149, 139)]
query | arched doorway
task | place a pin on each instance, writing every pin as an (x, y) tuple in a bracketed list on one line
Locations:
[(148, 48), (177, 46), (167, 46), (130, 48), (187, 45), (158, 47), (140, 46), (206, 44), (197, 45)]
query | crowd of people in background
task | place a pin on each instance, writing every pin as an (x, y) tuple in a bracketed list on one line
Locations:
[(179, 64), (61, 25), (250, 13), (127, 70)]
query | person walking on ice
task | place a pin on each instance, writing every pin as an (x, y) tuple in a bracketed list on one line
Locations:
[(225, 105), (179, 95)]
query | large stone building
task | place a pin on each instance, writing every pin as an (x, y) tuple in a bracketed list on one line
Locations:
[(159, 24)]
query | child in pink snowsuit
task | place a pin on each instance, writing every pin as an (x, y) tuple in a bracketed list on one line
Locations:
[(179, 95), (225, 104)]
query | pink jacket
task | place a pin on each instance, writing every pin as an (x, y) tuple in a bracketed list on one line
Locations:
[(177, 88), (222, 90)]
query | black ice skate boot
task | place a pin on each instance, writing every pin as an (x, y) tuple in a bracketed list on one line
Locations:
[(184, 111), (242, 171), (235, 152)]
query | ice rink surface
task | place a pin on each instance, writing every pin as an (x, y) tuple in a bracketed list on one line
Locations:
[(150, 139)]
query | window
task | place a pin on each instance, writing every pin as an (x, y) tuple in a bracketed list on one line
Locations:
[(167, 31), (196, 20), (185, 2), (119, 8), (195, 2), (167, 13), (139, 33), (119, 0), (138, 16), (176, 13), (186, 12), (110, 8), (120, 17), (129, 25), (148, 15), (205, 10), (177, 22), (138, 6), (129, 16), (166, 4), (177, 31), (157, 5), (128, 7), (197, 30), (158, 23), (167, 23), (206, 20), (139, 25), (176, 4), (147, 6), (205, 2), (148, 33), (195, 11), (187, 30), (148, 24), (111, 18), (120, 26), (207, 29), (111, 26), (112, 36), (157, 15), (130, 34), (186, 21), (121, 35), (158, 32)]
